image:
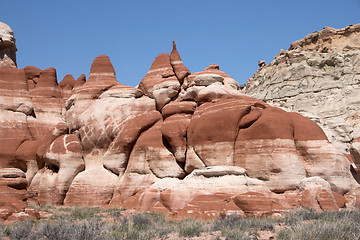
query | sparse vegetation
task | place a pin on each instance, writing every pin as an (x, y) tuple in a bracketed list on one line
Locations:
[(236, 227), (191, 228), (110, 224), (307, 224)]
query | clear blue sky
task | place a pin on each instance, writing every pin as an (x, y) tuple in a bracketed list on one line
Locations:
[(68, 35)]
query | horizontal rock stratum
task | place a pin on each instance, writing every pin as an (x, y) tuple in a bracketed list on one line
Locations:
[(181, 143)]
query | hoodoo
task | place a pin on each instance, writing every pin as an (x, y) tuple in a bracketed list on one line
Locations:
[(180, 143)]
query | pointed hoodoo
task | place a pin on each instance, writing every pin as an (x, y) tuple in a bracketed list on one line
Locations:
[(66, 85), (102, 66), (102, 76), (67, 82), (179, 68), (80, 81), (160, 71), (47, 84), (160, 83), (164, 78)]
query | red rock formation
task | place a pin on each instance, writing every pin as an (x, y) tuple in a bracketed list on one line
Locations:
[(161, 82), (179, 68), (66, 85), (80, 81), (181, 144), (47, 100), (209, 85), (15, 107)]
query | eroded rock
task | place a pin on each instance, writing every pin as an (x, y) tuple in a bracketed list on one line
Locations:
[(182, 144)]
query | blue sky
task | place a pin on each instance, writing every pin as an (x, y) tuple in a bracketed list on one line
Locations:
[(68, 35)]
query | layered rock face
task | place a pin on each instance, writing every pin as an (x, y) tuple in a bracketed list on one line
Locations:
[(317, 77), (182, 144), (29, 111)]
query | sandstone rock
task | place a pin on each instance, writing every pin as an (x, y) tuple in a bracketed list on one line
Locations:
[(160, 83), (32, 74), (7, 46), (117, 155), (355, 151), (254, 203), (12, 191), (92, 187), (162, 162), (102, 77), (63, 161), (80, 81), (208, 85), (181, 144), (109, 109), (209, 207), (212, 190), (26, 153), (261, 63), (99, 123), (66, 85), (326, 201), (317, 77), (47, 100), (175, 126), (186, 107), (317, 194), (215, 147), (339, 199), (15, 106), (179, 68), (149, 160)]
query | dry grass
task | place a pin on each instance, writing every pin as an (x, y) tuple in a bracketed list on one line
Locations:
[(95, 223)]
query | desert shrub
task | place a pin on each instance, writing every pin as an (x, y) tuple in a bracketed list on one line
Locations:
[(321, 230), (141, 226), (237, 227), (323, 225), (19, 230), (305, 214), (300, 215), (235, 221), (4, 230), (83, 212), (45, 208), (75, 213), (191, 228), (141, 221), (160, 226), (284, 233), (114, 212), (237, 234), (92, 228)]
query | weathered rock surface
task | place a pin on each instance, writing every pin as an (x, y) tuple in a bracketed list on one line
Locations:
[(7, 46), (317, 77), (182, 144)]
